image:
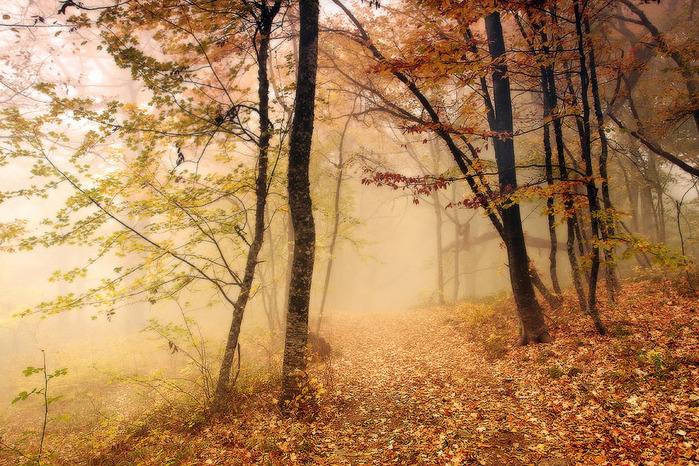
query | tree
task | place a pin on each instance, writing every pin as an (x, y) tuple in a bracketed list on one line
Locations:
[(672, 106), (430, 118), (542, 46), (264, 23), (188, 227), (586, 152), (334, 234), (301, 208), (534, 329)]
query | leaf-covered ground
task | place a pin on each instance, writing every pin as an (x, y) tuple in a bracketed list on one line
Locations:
[(448, 386)]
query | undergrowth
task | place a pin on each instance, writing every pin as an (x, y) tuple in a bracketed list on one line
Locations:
[(492, 322), (491, 386)]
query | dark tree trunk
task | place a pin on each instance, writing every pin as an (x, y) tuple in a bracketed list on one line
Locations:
[(534, 328), (607, 223), (266, 20), (553, 253), (551, 102), (301, 208), (553, 300), (548, 106), (586, 149), (289, 226)]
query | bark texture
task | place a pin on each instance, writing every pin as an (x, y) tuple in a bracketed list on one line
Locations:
[(266, 19), (300, 206), (534, 328)]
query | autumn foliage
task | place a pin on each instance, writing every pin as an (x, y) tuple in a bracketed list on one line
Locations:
[(572, 120), (446, 386)]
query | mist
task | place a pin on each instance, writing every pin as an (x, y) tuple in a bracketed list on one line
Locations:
[(470, 255)]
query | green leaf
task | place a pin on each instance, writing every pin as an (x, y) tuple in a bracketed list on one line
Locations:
[(23, 396), (32, 370), (53, 398)]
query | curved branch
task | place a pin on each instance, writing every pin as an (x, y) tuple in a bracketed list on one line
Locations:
[(673, 159)]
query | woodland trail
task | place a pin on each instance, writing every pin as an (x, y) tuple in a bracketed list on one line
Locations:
[(448, 386), (408, 387), (425, 387)]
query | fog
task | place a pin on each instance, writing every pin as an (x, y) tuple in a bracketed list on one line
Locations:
[(390, 245), (391, 267)]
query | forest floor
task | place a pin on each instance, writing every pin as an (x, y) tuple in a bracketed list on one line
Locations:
[(448, 386)]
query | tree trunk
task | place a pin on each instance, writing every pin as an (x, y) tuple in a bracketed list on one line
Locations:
[(607, 222), (685, 66), (548, 106), (654, 177), (531, 316), (457, 249), (534, 328), (336, 222), (440, 252), (222, 386), (586, 149), (553, 300), (551, 101), (275, 323), (301, 208), (553, 253)]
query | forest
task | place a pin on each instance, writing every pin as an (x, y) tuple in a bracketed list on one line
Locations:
[(349, 232)]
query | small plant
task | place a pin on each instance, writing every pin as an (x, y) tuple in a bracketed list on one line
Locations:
[(661, 364), (620, 331), (495, 346), (544, 355), (656, 359), (554, 372), (477, 315), (490, 323), (43, 392), (187, 339), (615, 405)]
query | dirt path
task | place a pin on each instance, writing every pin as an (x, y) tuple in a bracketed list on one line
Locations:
[(408, 390), (416, 387)]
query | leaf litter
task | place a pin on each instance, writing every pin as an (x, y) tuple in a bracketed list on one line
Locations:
[(427, 386)]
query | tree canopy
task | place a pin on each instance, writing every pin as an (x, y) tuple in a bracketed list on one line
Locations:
[(585, 112)]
